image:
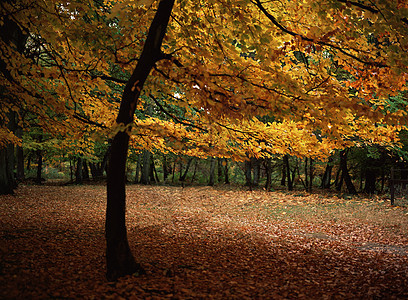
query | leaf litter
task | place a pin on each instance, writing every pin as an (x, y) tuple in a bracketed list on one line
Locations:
[(204, 243)]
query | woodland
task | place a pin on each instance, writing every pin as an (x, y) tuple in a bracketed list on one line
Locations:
[(248, 135)]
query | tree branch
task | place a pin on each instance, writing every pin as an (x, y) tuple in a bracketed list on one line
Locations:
[(174, 117), (305, 38)]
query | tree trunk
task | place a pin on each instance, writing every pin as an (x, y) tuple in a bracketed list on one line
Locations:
[(7, 181), (119, 259), (85, 170), (268, 167), (79, 179), (183, 177), (289, 179), (345, 174), (226, 171), (327, 174), (10, 33), (145, 176), (71, 170), (153, 174), (310, 187), (248, 172), (20, 156), (195, 171), (154, 171), (283, 178), (256, 167), (165, 168), (306, 184), (138, 167), (211, 181), (219, 169), (173, 171), (370, 174), (38, 179)]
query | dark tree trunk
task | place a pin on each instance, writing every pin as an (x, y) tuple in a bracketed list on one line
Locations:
[(310, 186), (248, 172), (10, 34), (7, 180), (79, 179), (97, 169), (327, 174), (370, 179), (306, 184), (370, 174), (173, 171), (20, 156), (119, 259), (38, 179), (195, 171), (85, 170), (289, 178), (226, 171), (153, 173), (29, 158), (219, 169), (256, 166), (183, 177), (71, 170), (165, 168), (211, 181), (145, 176), (382, 178), (268, 167), (345, 174), (283, 178), (138, 168)]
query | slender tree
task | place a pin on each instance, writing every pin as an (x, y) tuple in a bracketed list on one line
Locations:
[(119, 258)]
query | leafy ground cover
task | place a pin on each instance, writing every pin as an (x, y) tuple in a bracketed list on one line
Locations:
[(204, 243)]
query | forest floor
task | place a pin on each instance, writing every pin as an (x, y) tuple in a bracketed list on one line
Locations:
[(204, 243)]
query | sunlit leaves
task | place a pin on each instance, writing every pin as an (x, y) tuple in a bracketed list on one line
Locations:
[(324, 70)]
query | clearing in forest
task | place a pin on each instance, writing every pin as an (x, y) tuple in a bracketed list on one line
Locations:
[(204, 243)]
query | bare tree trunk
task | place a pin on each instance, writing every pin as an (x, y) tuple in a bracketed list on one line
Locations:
[(79, 178), (219, 169), (38, 179), (248, 172), (165, 168), (256, 167), (211, 181), (138, 167), (195, 171), (226, 171), (119, 259), (289, 177), (268, 167), (345, 174), (283, 178), (326, 179), (20, 156), (183, 177), (145, 176)]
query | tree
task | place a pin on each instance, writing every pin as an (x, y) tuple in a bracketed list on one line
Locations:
[(10, 34), (249, 78), (120, 260)]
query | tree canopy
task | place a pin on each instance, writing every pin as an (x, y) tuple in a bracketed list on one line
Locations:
[(298, 77)]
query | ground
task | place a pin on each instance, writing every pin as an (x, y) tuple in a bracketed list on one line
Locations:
[(204, 243)]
